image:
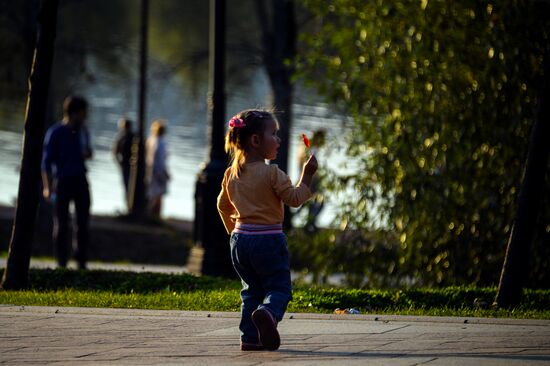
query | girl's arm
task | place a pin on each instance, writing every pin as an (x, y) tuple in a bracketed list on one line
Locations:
[(290, 195)]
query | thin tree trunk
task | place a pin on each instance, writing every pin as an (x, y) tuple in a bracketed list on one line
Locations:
[(17, 267), (516, 262), (279, 50), (136, 193)]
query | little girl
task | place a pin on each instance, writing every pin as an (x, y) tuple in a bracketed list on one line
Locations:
[(251, 206)]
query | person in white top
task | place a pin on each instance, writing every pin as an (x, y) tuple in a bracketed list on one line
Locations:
[(157, 175)]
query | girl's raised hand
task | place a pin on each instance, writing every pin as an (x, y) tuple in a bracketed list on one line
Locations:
[(310, 167)]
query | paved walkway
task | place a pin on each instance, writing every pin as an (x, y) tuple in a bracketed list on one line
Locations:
[(50, 335)]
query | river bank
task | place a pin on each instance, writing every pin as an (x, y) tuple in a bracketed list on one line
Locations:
[(113, 238)]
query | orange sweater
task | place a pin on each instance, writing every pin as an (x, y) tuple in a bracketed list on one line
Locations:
[(257, 196)]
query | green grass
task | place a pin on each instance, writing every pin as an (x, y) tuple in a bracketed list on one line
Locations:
[(117, 289), (212, 300)]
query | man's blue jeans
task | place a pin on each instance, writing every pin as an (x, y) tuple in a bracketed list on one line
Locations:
[(262, 263)]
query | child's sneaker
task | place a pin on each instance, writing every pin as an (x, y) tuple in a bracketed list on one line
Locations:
[(252, 347), (267, 328)]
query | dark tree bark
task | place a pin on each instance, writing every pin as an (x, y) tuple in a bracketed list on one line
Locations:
[(279, 50), (516, 262), (17, 267), (136, 192), (29, 30)]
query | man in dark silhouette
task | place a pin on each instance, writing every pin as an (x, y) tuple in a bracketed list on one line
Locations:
[(122, 150), (66, 147)]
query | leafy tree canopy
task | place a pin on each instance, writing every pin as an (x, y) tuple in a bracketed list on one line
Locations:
[(443, 95)]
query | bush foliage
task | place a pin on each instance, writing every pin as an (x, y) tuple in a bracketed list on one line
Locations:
[(443, 95)]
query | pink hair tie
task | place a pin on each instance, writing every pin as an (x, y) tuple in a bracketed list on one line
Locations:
[(236, 122)]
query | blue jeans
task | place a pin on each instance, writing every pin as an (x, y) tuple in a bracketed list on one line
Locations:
[(262, 263)]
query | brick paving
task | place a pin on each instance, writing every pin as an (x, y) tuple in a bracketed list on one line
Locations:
[(64, 335)]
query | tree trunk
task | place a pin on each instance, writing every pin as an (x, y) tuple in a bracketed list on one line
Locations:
[(29, 30), (516, 262), (17, 267), (279, 50), (136, 193)]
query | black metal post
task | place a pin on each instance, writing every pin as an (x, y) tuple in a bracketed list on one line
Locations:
[(210, 233), (136, 193)]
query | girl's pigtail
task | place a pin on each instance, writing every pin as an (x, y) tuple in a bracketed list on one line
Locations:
[(235, 151)]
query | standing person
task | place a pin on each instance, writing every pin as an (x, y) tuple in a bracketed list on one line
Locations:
[(251, 207), (122, 150), (157, 175), (66, 147)]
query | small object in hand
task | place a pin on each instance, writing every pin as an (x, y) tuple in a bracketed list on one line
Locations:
[(306, 141)]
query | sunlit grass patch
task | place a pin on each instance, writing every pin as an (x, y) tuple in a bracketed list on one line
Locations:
[(117, 289)]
